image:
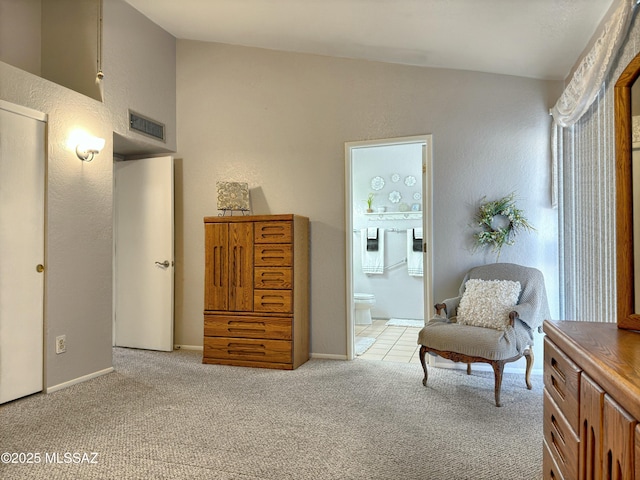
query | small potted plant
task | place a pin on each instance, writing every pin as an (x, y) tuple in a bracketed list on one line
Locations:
[(369, 202)]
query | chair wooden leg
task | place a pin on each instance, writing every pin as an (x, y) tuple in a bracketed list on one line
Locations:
[(498, 368), (528, 355), (423, 351), (468, 369)]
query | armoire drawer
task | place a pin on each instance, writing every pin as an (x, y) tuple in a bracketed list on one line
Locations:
[(272, 277), (273, 232), (247, 327), (257, 350), (562, 381), (273, 255), (562, 441), (277, 301)]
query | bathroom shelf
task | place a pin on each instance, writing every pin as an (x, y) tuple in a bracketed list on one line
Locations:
[(394, 215)]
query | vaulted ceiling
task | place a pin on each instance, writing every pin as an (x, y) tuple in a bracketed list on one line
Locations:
[(529, 38)]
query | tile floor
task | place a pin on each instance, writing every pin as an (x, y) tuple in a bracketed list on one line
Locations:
[(393, 344)]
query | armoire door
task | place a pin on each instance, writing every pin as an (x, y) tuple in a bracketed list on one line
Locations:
[(216, 284), (228, 267), (22, 168), (241, 267)]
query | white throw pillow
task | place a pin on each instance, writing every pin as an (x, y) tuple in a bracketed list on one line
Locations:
[(487, 303)]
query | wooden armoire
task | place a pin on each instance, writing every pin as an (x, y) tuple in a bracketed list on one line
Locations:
[(256, 291)]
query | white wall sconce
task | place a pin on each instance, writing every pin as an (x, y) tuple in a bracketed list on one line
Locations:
[(89, 147)]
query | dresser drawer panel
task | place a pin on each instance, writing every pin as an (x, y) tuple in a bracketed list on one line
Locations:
[(550, 470), (273, 255), (277, 301), (273, 277), (257, 350), (561, 439), (273, 232), (562, 380), (247, 327)]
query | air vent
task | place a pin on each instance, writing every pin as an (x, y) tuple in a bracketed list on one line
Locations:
[(146, 126)]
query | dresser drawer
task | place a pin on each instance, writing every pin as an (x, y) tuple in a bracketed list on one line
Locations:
[(562, 381), (273, 277), (550, 470), (273, 232), (273, 255), (277, 301), (247, 327), (277, 351), (560, 438)]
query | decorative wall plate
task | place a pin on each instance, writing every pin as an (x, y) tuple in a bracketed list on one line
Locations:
[(410, 181), (395, 177), (394, 197), (377, 183)]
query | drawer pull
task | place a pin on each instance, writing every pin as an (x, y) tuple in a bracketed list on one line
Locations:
[(556, 367), (231, 323), (557, 428), (274, 231), (272, 278), (557, 448), (556, 387), (273, 258), (245, 349), (245, 345), (246, 330), (244, 352)]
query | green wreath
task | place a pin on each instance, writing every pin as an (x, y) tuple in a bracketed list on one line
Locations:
[(498, 236)]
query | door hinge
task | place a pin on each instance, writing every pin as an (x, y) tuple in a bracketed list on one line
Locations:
[(424, 248)]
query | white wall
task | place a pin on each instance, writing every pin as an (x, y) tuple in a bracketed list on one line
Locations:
[(78, 228), (279, 121), (140, 74), (20, 34), (139, 67)]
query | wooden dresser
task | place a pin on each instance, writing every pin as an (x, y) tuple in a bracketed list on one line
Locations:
[(591, 401), (256, 291)]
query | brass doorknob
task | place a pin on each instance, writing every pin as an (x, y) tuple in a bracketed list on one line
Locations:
[(40, 268)]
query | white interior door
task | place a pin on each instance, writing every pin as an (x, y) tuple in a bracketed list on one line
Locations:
[(22, 167), (143, 232)]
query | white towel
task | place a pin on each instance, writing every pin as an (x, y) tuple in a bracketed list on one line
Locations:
[(372, 262), (414, 259)]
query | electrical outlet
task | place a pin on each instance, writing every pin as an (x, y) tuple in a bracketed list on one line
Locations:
[(61, 344)]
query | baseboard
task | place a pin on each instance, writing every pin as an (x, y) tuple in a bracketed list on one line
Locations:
[(198, 348), (84, 378), (328, 356)]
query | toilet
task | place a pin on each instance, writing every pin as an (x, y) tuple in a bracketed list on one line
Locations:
[(363, 303)]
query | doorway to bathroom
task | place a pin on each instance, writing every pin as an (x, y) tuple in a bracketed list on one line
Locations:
[(388, 238)]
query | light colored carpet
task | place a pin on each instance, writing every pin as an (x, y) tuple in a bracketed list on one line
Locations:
[(167, 416), (363, 344), (404, 322)]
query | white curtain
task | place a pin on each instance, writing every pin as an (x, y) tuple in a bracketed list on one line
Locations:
[(583, 152), (587, 81), (594, 67)]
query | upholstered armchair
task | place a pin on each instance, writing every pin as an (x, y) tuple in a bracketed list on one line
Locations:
[(492, 320)]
